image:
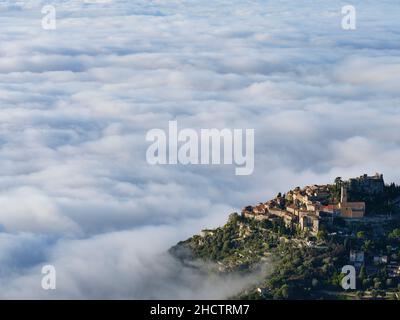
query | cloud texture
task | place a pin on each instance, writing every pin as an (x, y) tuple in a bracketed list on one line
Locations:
[(76, 103)]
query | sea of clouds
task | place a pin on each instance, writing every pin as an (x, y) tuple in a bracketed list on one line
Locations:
[(76, 103)]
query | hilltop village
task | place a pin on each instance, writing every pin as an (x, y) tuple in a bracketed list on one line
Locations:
[(314, 205), (307, 235)]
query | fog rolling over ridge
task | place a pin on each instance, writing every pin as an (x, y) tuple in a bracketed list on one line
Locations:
[(76, 191)]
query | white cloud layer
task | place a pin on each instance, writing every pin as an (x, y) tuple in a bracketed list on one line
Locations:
[(76, 103)]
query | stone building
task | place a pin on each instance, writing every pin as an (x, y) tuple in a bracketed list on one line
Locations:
[(350, 209), (309, 222), (367, 184)]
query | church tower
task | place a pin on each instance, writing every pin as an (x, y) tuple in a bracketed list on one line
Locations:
[(343, 196)]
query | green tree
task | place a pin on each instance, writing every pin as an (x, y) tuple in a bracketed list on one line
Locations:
[(395, 234), (226, 246), (321, 235), (361, 234), (234, 217), (362, 274), (367, 245), (366, 283), (285, 291)]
